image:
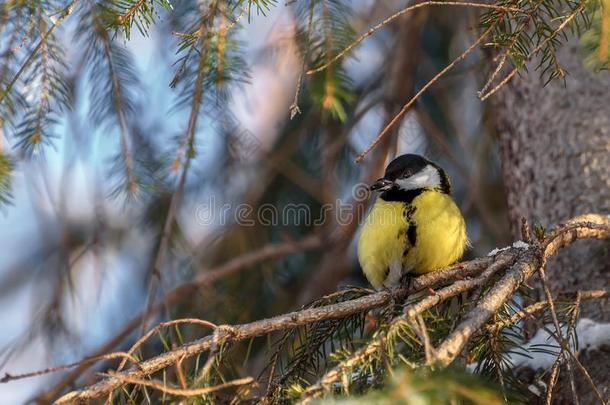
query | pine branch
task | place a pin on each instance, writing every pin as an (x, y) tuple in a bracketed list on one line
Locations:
[(113, 81), (527, 261), (586, 226), (206, 278), (124, 14)]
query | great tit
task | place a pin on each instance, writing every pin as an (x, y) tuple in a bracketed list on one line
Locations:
[(414, 227)]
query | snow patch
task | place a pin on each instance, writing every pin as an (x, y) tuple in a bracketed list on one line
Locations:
[(496, 251), (518, 245), (591, 335)]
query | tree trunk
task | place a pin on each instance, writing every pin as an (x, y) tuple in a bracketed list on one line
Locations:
[(555, 148)]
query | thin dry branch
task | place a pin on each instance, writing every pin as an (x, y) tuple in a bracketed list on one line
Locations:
[(417, 95), (539, 306), (176, 197), (559, 334), (405, 10), (90, 360), (527, 261), (160, 386), (157, 329)]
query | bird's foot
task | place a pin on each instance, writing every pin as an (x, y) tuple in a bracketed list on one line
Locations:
[(400, 292)]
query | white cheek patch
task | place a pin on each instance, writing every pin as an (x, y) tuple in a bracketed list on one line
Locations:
[(427, 177)]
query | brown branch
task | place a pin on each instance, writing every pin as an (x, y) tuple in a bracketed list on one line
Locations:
[(527, 261), (265, 326), (539, 306), (582, 227), (189, 138), (160, 386), (268, 252), (405, 10)]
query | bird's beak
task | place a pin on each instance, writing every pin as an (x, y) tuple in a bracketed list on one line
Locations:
[(382, 185)]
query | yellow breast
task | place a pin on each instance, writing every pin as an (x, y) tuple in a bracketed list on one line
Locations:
[(440, 234), (385, 240), (382, 240)]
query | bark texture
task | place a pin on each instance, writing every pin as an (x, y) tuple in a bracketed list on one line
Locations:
[(555, 149)]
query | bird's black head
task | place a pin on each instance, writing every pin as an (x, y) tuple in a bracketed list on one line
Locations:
[(408, 175)]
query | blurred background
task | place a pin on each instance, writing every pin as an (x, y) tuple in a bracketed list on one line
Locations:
[(270, 204)]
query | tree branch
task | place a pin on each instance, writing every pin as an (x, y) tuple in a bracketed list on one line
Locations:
[(527, 261), (270, 251), (583, 227)]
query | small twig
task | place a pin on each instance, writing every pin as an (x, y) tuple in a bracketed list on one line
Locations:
[(525, 231), (413, 99), (538, 306), (405, 10), (425, 337), (294, 107), (587, 376), (158, 328), (189, 138), (160, 386), (552, 381), (563, 343), (88, 360)]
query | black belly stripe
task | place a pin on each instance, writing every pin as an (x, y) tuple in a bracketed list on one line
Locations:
[(412, 233)]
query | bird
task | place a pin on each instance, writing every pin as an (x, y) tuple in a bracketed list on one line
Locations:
[(414, 227)]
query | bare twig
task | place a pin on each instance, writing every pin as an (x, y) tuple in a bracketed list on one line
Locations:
[(189, 138), (160, 386), (158, 328), (562, 341), (539, 306), (405, 10), (417, 95), (294, 107), (89, 360)]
